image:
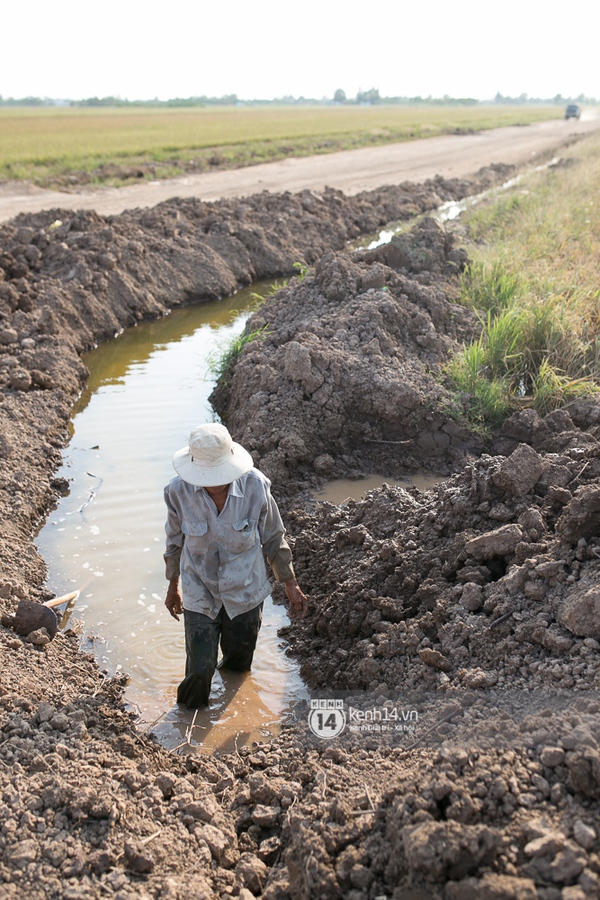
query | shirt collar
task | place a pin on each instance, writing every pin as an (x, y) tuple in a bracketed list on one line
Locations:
[(236, 489)]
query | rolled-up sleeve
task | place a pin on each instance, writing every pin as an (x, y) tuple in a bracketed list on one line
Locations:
[(174, 542), (272, 536)]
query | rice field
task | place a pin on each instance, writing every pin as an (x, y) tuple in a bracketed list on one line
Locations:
[(58, 145)]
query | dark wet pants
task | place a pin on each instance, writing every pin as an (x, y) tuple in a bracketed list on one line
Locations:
[(238, 639)]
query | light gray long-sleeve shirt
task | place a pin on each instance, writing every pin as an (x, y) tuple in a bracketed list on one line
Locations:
[(220, 555)]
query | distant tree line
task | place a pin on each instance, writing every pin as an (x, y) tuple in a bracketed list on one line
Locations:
[(26, 101), (557, 100), (370, 97)]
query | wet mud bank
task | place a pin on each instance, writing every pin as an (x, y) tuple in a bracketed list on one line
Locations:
[(406, 588)]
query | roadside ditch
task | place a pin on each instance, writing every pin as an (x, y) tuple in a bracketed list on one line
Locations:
[(496, 798)]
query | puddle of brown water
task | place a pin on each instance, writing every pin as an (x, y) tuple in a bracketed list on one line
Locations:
[(147, 388), (343, 489)]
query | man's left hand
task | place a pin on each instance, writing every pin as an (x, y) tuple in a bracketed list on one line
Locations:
[(298, 600)]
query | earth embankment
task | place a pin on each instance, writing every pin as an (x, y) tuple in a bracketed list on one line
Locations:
[(345, 378)]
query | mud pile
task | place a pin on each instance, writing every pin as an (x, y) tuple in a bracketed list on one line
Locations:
[(489, 579), (345, 376)]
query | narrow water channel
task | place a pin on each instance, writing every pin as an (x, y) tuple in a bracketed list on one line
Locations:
[(448, 211), (147, 389)]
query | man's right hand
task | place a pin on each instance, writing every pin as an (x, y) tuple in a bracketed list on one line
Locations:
[(173, 600)]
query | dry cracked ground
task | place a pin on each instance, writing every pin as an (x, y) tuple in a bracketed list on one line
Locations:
[(475, 604)]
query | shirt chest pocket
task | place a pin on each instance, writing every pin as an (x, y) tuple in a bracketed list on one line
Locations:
[(196, 533), (243, 535)]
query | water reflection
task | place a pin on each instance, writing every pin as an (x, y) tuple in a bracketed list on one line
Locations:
[(147, 388)]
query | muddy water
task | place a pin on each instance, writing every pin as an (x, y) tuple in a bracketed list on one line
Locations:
[(147, 389), (343, 489)]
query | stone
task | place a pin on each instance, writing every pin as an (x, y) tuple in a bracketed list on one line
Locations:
[(519, 473), (500, 542), (584, 834), (552, 757), (251, 872), (580, 612), (472, 597)]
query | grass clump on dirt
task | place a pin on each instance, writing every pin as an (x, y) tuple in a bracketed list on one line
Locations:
[(223, 359), (72, 146), (534, 282)]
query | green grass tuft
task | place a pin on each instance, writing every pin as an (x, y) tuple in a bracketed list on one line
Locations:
[(533, 281), (222, 360)]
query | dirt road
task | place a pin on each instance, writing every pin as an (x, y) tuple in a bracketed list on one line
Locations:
[(351, 171)]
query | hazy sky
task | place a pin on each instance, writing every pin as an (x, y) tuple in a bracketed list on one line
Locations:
[(270, 48)]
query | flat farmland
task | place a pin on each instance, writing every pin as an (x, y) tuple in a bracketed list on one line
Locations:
[(74, 146)]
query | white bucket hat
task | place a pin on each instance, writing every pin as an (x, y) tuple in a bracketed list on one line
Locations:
[(212, 458)]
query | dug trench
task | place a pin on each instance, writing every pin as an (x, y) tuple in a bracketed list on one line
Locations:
[(477, 601)]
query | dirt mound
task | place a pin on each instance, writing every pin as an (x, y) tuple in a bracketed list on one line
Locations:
[(346, 377), (489, 579)]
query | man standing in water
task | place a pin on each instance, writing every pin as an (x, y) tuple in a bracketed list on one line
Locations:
[(220, 517)]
